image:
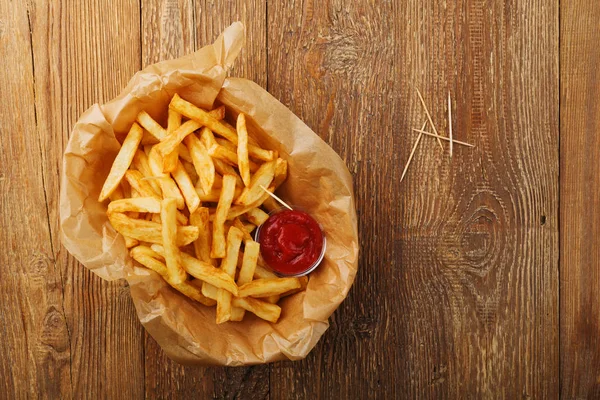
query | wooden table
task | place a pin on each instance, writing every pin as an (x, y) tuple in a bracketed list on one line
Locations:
[(479, 274)]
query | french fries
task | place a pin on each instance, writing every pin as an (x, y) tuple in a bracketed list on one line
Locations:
[(234, 239), (218, 239), (157, 186), (122, 162), (242, 150)]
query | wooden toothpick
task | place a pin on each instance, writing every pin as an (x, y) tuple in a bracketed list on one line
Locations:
[(450, 122), (442, 137), (283, 203), (429, 117), (412, 153)]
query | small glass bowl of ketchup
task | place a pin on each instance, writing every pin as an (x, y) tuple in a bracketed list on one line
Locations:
[(292, 243)]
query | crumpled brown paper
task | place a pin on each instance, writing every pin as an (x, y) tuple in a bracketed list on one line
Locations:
[(318, 181)]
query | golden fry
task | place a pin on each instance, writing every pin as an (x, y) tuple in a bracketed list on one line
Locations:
[(268, 287), (139, 204), (142, 186), (242, 150), (169, 235), (249, 261), (281, 167), (262, 309), (140, 162), (271, 204), (167, 184), (170, 159), (218, 241), (202, 161), (204, 271), (225, 169), (213, 195), (149, 124), (186, 186), (257, 216), (202, 245), (234, 239), (236, 211), (148, 231), (262, 177), (122, 161), (191, 171), (170, 142), (240, 225), (144, 256)]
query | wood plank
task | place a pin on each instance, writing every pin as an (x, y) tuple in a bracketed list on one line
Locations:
[(85, 53), (580, 200), (456, 294), (34, 343), (171, 29)]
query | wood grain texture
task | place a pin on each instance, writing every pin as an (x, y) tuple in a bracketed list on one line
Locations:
[(580, 201), (34, 345), (80, 59), (457, 293)]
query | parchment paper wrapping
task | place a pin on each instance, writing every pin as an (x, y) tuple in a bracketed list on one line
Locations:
[(318, 181)]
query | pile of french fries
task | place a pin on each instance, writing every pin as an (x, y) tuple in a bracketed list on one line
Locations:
[(187, 198)]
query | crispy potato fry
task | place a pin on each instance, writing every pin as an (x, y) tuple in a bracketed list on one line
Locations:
[(236, 211), (249, 227), (218, 113), (261, 272), (117, 194), (228, 265), (169, 235), (149, 124), (202, 161), (207, 138), (202, 245), (251, 252), (271, 204), (256, 216), (262, 309), (148, 231), (268, 287), (303, 283), (142, 186), (205, 119), (187, 187), (171, 141), (210, 291), (140, 162), (272, 299), (122, 161), (170, 159), (130, 242), (148, 138), (229, 156), (227, 144), (204, 271), (167, 184), (242, 150), (240, 225), (156, 218), (281, 167), (191, 171), (144, 256), (213, 195), (225, 169), (262, 177), (140, 204), (184, 154), (194, 292), (218, 240)]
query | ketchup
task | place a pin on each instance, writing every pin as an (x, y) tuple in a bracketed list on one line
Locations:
[(291, 242)]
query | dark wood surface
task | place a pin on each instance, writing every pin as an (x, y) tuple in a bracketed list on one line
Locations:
[(479, 274)]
